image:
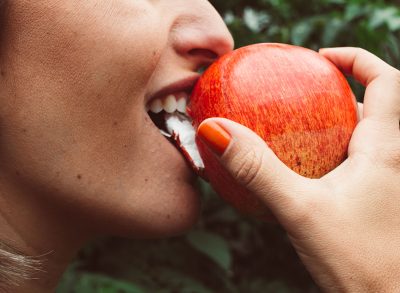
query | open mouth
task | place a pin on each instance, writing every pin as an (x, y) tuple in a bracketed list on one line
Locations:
[(172, 104), (169, 114)]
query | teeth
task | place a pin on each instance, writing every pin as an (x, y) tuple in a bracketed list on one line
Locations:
[(181, 105), (156, 106), (182, 101), (169, 104)]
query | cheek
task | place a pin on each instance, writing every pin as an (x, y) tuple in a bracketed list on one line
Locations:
[(75, 129), (100, 50), (89, 67), (80, 86)]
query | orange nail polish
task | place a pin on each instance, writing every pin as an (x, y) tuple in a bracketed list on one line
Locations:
[(214, 136)]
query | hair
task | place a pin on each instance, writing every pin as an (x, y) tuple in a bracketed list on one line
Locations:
[(15, 266)]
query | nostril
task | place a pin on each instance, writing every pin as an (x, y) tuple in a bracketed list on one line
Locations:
[(204, 53)]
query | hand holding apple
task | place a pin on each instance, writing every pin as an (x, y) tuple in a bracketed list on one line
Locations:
[(293, 98), (345, 226)]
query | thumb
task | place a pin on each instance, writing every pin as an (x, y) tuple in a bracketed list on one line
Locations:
[(250, 161)]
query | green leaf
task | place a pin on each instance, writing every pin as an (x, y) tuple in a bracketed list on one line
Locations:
[(331, 31), (255, 20), (353, 11), (301, 32), (394, 23), (384, 16), (213, 246), (393, 45)]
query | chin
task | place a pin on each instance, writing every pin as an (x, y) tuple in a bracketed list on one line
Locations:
[(167, 211), (177, 217), (171, 206)]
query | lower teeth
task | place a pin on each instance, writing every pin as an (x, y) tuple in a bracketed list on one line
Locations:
[(180, 128), (166, 134)]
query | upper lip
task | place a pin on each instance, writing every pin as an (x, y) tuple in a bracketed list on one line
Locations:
[(183, 85)]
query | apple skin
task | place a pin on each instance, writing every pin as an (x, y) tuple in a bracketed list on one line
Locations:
[(292, 97)]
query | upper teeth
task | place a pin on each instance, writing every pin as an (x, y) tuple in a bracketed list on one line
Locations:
[(170, 103)]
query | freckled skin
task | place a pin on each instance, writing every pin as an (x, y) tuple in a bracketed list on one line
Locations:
[(79, 156), (74, 82)]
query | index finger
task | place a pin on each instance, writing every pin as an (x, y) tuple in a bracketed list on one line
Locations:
[(382, 97)]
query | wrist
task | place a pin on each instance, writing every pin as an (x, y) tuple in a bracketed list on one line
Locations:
[(383, 280), (357, 272)]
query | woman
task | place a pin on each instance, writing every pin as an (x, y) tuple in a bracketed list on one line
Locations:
[(80, 156)]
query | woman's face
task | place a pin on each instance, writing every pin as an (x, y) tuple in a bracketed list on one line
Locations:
[(75, 80)]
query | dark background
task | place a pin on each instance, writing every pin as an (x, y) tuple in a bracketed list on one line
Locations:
[(227, 252)]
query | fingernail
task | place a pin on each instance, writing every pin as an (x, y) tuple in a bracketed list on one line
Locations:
[(214, 136)]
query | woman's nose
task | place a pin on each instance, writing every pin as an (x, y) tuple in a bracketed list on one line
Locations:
[(202, 36)]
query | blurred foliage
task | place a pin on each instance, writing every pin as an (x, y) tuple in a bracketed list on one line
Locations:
[(227, 252), (372, 25)]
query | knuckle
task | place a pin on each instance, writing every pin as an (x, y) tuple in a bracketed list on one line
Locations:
[(248, 167)]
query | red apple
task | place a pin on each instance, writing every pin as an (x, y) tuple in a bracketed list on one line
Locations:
[(292, 97)]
